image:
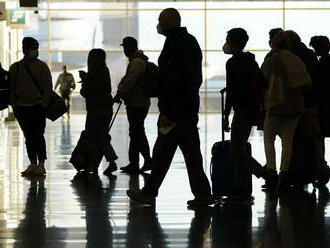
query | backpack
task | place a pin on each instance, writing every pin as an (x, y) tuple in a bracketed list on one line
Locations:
[(151, 86)]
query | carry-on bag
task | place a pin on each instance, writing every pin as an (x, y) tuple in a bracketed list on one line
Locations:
[(223, 171), (79, 158)]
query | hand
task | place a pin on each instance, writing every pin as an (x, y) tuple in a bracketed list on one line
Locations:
[(116, 99), (225, 124), (163, 119), (82, 75)]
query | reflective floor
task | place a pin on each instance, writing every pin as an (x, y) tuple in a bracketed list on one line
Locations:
[(69, 210)]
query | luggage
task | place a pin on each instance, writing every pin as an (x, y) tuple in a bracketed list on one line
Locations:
[(79, 158), (303, 162), (223, 171)]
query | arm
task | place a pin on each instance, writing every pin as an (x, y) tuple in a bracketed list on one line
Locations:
[(48, 85), (134, 72), (73, 83), (13, 73), (58, 81), (228, 101)]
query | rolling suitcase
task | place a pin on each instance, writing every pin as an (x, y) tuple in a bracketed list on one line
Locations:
[(223, 171), (79, 158)]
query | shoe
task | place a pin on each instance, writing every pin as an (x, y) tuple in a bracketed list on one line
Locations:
[(141, 197), (111, 168), (270, 177), (29, 171), (323, 177), (39, 171), (202, 201), (147, 165), (130, 169)]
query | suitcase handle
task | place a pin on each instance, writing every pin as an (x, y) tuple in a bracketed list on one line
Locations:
[(114, 117), (222, 92)]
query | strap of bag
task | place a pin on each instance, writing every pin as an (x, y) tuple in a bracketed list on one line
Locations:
[(33, 79), (222, 92), (114, 117)]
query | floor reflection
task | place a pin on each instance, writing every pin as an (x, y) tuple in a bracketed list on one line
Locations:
[(69, 210), (32, 230)]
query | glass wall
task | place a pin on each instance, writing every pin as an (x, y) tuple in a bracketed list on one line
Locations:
[(67, 30)]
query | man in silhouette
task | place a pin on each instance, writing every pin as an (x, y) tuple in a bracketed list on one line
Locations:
[(67, 84), (130, 89), (180, 77)]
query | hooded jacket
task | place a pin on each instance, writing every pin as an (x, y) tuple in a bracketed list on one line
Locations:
[(130, 88), (180, 75), (96, 88), (240, 69)]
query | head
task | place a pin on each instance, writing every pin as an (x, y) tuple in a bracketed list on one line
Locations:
[(64, 68), (130, 46), (168, 19), (293, 38), (96, 58), (320, 44), (272, 34), (235, 41), (280, 41), (30, 48)]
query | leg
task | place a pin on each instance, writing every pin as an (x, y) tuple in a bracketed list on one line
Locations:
[(133, 150), (240, 131), (25, 116), (190, 146), (270, 131), (165, 148), (39, 130)]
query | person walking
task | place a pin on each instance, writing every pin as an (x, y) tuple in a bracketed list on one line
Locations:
[(180, 77), (66, 84), (29, 103), (130, 89)]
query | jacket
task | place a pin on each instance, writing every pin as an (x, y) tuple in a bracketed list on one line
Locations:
[(240, 69), (23, 90), (96, 89), (130, 88), (180, 75)]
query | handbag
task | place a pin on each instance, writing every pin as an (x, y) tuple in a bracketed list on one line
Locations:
[(56, 106)]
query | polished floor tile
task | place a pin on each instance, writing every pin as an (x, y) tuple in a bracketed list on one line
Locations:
[(64, 209)]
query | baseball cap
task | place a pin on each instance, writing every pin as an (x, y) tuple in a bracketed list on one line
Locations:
[(129, 41), (29, 42)]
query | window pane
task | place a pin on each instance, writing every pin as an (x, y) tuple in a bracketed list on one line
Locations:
[(318, 23), (37, 28), (256, 22), (92, 29), (86, 4), (244, 5)]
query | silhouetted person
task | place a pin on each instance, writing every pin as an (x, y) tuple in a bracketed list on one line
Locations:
[(130, 89), (96, 89), (285, 75), (309, 126), (67, 84), (29, 103), (321, 46), (95, 198), (180, 77), (272, 34), (241, 69), (4, 88)]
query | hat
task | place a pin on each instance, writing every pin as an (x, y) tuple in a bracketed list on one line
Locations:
[(29, 42), (129, 41)]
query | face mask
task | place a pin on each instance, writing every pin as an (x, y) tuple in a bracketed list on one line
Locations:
[(159, 29), (226, 49), (34, 54)]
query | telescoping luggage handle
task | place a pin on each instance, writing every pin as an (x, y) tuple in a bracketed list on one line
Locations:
[(222, 92), (114, 117)]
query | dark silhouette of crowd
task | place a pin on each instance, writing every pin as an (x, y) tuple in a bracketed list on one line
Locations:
[(286, 96)]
